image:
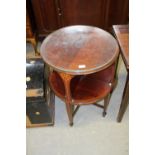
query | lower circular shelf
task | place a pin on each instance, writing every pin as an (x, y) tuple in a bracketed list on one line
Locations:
[(85, 89)]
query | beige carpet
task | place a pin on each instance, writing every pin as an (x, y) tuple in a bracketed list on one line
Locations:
[(91, 134)]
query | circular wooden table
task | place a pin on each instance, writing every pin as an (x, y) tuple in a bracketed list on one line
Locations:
[(76, 51)]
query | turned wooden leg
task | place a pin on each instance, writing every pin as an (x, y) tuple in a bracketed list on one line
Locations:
[(69, 112), (106, 103), (125, 101), (72, 108), (69, 107)]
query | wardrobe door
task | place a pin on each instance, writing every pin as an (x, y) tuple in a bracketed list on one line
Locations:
[(84, 12), (45, 12)]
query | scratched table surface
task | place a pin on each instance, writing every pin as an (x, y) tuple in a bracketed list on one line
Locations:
[(79, 49)]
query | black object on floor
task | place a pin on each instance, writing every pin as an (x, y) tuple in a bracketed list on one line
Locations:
[(37, 109)]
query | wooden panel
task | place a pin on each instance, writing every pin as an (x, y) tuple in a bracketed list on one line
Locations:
[(85, 12), (29, 33), (118, 12), (49, 15), (45, 15)]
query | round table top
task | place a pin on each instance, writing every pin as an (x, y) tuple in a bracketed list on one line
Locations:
[(79, 49)]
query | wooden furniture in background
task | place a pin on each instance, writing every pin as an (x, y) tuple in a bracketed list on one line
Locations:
[(83, 59), (30, 35), (50, 15), (45, 15), (85, 12), (122, 35)]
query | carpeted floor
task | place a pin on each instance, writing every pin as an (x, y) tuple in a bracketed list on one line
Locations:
[(91, 134)]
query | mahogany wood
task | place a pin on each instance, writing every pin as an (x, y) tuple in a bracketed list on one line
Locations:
[(30, 35), (84, 12), (29, 32), (45, 13), (118, 12), (92, 48), (122, 35), (85, 50), (85, 89), (125, 101), (51, 15)]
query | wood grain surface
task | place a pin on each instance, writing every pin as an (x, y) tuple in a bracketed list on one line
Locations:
[(79, 50)]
